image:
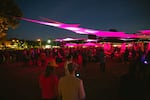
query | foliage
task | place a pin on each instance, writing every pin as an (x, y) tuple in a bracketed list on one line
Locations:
[(9, 10)]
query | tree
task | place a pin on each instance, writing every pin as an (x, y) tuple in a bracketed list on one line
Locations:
[(9, 10)]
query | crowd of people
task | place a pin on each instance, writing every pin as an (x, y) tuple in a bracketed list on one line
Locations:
[(39, 56), (137, 53), (70, 87)]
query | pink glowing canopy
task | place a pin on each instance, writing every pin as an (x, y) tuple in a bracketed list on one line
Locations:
[(145, 32), (79, 30)]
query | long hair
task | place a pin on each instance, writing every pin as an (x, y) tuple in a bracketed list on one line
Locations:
[(48, 71)]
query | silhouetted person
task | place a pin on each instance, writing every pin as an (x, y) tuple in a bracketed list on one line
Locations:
[(101, 57), (70, 87), (49, 83), (126, 56)]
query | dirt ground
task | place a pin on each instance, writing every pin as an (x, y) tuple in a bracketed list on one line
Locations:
[(20, 82)]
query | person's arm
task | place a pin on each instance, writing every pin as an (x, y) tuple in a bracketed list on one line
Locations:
[(81, 91)]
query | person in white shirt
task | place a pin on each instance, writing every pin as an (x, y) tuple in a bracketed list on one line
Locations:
[(70, 87)]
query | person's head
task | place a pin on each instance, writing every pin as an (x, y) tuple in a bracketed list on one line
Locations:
[(71, 68), (69, 57), (49, 69), (52, 63)]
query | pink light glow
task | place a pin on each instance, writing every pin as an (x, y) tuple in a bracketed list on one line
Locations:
[(62, 24), (86, 31), (90, 31), (75, 28), (91, 40), (80, 32), (72, 28), (112, 34), (146, 32), (89, 44), (69, 39), (71, 45), (40, 22)]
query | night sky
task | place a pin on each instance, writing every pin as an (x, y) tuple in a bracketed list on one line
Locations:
[(129, 16)]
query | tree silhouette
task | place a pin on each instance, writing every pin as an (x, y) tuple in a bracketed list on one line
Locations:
[(9, 10)]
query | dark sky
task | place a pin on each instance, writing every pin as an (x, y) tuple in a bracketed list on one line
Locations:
[(124, 15)]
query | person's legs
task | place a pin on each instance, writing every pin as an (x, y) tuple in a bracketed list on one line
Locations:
[(102, 67)]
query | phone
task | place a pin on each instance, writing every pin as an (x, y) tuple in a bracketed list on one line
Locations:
[(77, 74)]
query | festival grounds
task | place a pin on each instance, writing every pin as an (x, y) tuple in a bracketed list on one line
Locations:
[(20, 82)]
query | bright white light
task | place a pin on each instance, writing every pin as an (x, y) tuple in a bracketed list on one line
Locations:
[(90, 31), (145, 62), (48, 41), (48, 46), (68, 39), (90, 40), (72, 28), (51, 24)]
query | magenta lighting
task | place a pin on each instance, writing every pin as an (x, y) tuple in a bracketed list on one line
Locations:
[(68, 39), (75, 28), (146, 32), (112, 34), (40, 22)]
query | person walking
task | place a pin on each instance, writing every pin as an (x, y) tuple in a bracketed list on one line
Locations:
[(70, 87), (102, 64), (48, 83)]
